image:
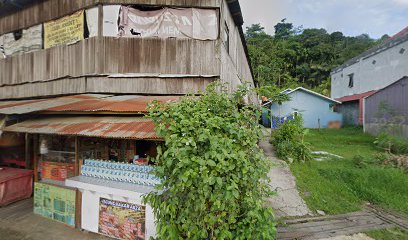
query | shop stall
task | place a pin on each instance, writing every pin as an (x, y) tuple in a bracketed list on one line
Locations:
[(55, 162), (92, 173)]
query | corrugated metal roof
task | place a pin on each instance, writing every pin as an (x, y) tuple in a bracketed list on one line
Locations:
[(128, 104), (84, 103), (355, 97), (103, 127), (37, 106), (8, 104)]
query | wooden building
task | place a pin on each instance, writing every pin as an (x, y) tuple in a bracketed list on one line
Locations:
[(104, 62), (76, 77)]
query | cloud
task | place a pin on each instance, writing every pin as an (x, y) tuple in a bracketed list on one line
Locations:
[(401, 2), (374, 17)]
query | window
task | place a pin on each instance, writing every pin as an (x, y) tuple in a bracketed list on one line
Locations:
[(402, 51), (351, 80), (331, 107), (226, 37)]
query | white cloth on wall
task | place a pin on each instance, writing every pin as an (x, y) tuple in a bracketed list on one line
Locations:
[(110, 20), (92, 16), (194, 23), (2, 55), (30, 40)]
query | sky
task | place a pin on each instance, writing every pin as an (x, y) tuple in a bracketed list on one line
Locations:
[(352, 17)]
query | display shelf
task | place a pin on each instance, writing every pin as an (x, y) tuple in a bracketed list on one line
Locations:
[(108, 186), (55, 183)]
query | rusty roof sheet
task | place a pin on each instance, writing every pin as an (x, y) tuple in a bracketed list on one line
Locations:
[(84, 103), (128, 104), (8, 104), (96, 126), (36, 106)]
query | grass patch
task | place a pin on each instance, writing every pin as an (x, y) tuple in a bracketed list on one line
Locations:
[(347, 142), (341, 186), (388, 234)]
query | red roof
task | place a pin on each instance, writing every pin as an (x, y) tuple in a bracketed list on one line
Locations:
[(400, 34), (95, 126), (355, 97)]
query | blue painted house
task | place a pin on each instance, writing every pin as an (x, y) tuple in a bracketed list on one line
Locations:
[(317, 110)]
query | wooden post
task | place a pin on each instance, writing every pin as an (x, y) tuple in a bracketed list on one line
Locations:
[(35, 157), (78, 209), (100, 20), (77, 165), (27, 152)]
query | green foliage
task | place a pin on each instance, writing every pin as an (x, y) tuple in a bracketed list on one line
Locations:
[(289, 141), (295, 57), (343, 142), (343, 185), (214, 174), (388, 234), (338, 186), (392, 144)]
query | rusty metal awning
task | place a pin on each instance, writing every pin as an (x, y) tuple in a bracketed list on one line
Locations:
[(95, 126), (82, 104)]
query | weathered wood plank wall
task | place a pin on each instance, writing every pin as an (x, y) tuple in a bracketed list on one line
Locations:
[(235, 68), (148, 85), (69, 86), (58, 87), (106, 55), (52, 9)]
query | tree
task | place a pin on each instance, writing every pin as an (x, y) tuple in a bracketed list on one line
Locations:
[(301, 57), (283, 30), (255, 30), (214, 176)]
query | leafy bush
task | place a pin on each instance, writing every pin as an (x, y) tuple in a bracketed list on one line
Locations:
[(392, 144), (289, 141), (214, 176)]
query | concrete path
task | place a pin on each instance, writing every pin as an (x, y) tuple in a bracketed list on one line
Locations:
[(287, 202)]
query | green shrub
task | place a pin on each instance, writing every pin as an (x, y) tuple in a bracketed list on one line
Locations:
[(289, 141), (214, 176), (392, 144)]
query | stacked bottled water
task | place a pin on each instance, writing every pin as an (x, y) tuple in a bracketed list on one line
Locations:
[(121, 172)]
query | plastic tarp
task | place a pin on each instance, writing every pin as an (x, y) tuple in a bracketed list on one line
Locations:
[(2, 54), (15, 185), (194, 23), (92, 16), (27, 40), (110, 20)]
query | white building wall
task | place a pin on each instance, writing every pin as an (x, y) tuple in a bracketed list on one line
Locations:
[(390, 66)]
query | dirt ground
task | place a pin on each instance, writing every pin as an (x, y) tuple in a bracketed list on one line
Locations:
[(359, 236)]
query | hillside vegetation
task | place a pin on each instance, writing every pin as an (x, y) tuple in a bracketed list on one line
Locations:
[(301, 57)]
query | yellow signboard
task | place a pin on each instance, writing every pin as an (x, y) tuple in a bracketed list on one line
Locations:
[(65, 30)]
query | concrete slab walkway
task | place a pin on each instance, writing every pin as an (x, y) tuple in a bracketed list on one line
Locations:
[(287, 202)]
